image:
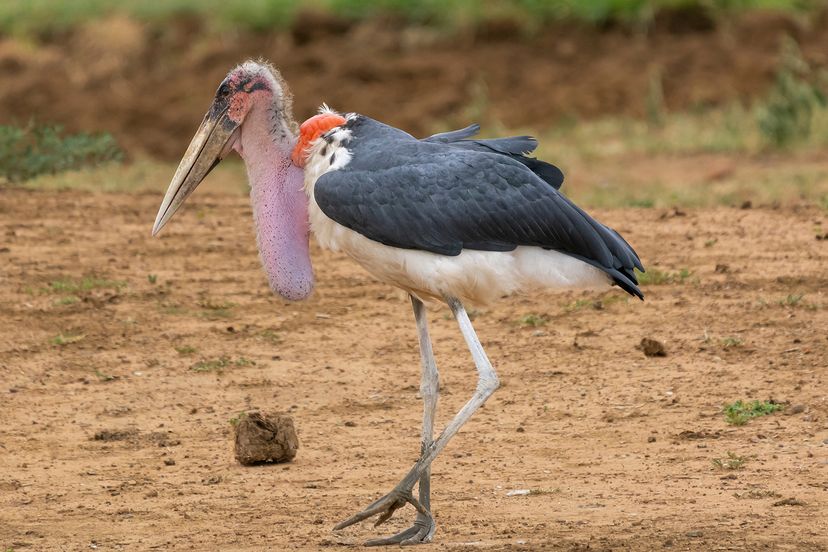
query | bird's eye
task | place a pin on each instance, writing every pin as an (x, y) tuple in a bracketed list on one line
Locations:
[(223, 91)]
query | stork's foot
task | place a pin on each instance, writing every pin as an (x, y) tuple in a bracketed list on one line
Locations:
[(419, 533), (385, 508)]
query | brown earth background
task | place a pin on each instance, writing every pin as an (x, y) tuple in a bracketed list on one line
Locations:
[(150, 84)]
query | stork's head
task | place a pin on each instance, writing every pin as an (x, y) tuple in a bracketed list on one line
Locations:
[(249, 87)]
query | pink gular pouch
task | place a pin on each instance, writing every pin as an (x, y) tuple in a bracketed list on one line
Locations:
[(251, 114)]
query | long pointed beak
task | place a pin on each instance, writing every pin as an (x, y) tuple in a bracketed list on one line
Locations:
[(212, 141)]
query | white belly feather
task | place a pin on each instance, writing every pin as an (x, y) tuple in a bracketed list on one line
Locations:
[(476, 276)]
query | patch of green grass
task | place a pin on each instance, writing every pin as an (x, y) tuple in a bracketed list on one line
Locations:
[(731, 342), (579, 304), (68, 300), (141, 175), (104, 377), (270, 336), (534, 320), (788, 113), (656, 277), (540, 492), (88, 283), (172, 309), (152, 278), (740, 412), (186, 350), (730, 462), (234, 421), (214, 314), (216, 309), (33, 150), (596, 304), (220, 364), (66, 338), (210, 304), (791, 300)]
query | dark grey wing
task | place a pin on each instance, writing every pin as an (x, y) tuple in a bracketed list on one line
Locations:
[(515, 147), (454, 135), (446, 199)]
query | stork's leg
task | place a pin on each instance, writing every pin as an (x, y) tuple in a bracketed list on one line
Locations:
[(424, 526), (487, 382)]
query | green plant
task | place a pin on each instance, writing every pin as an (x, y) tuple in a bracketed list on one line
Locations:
[(791, 300), (152, 278), (534, 320), (787, 113), (739, 412), (731, 342), (731, 462), (33, 150), (656, 277), (67, 338), (87, 283), (186, 350), (68, 300), (220, 364), (104, 377), (270, 336), (234, 421), (655, 99)]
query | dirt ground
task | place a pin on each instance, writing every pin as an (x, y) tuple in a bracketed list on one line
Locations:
[(147, 83), (117, 434)]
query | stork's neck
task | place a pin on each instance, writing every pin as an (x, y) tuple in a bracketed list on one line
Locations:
[(280, 207)]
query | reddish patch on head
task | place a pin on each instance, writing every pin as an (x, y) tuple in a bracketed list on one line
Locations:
[(310, 130), (238, 107)]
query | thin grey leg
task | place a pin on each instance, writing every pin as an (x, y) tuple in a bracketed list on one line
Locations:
[(487, 383), (424, 527)]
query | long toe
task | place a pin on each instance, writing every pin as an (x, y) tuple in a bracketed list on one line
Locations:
[(420, 533), (385, 508)]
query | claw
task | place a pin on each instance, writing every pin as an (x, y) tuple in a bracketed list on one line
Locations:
[(419, 533), (385, 507)]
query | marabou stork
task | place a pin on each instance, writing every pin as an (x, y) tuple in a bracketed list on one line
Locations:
[(447, 218)]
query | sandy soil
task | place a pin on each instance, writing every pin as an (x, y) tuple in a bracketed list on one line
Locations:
[(113, 441), (148, 84)]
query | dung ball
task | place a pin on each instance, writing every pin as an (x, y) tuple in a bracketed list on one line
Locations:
[(264, 438)]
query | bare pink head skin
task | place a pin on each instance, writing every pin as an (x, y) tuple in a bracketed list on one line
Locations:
[(252, 115)]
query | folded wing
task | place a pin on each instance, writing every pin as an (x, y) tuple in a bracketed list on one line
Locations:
[(442, 198)]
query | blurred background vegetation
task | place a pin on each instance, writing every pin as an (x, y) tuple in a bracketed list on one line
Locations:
[(36, 15), (646, 103)]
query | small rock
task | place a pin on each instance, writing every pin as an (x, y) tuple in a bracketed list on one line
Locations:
[(789, 502), (694, 534), (114, 434), (795, 409), (520, 429), (652, 348), (746, 204), (518, 492), (169, 462), (349, 423), (722, 268), (651, 439)]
